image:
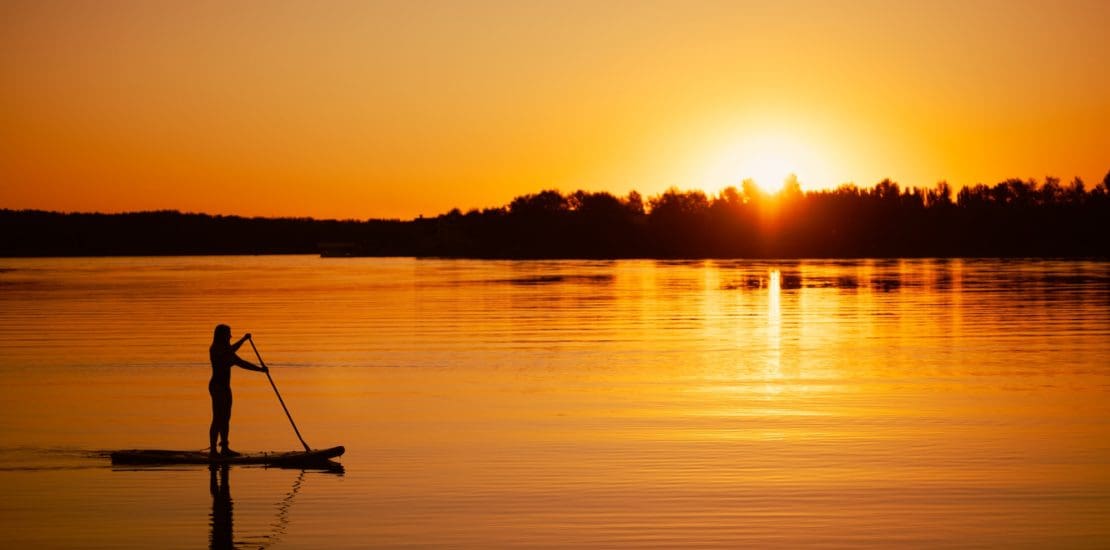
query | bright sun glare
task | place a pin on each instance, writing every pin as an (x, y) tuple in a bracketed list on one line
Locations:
[(767, 158)]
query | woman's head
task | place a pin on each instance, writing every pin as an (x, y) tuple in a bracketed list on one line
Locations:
[(222, 335)]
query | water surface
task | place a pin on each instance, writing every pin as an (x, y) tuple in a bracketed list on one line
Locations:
[(564, 403)]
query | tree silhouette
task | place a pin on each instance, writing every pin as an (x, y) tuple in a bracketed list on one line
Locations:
[(1014, 217)]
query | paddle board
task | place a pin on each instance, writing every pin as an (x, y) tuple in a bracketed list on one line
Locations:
[(275, 458)]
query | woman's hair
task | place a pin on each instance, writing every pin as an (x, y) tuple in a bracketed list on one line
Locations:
[(221, 335)]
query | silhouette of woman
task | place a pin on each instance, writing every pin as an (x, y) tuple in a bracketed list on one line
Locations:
[(222, 355)]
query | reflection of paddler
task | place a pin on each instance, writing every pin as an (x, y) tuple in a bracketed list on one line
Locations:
[(223, 357), (222, 536)]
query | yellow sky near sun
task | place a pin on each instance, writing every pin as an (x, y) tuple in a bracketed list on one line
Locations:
[(394, 109)]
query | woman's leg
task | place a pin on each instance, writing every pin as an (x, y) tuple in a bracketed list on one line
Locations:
[(225, 426), (214, 427)]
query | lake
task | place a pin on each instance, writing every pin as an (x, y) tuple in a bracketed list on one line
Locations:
[(937, 403)]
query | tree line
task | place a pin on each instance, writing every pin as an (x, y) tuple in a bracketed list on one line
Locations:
[(1011, 218)]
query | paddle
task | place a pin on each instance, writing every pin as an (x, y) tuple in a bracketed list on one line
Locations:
[(280, 400)]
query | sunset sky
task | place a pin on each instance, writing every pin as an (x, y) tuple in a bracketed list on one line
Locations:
[(396, 109)]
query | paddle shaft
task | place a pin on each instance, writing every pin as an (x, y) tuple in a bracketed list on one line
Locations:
[(280, 400)]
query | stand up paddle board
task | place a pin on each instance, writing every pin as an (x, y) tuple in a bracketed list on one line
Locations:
[(278, 458)]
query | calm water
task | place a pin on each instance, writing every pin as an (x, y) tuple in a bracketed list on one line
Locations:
[(557, 404)]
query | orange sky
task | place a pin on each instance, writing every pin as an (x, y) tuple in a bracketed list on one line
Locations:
[(394, 109)]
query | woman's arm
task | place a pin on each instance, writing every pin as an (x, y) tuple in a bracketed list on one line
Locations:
[(243, 363), (236, 345)]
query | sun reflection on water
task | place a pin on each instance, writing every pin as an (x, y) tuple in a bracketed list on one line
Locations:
[(772, 368)]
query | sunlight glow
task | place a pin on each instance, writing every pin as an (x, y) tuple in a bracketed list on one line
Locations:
[(766, 157)]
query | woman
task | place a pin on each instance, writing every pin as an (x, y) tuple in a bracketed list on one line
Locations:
[(223, 357)]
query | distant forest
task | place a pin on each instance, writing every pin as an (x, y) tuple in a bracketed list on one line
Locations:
[(1012, 218)]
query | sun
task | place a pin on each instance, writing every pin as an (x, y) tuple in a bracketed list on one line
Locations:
[(768, 158), (769, 168)]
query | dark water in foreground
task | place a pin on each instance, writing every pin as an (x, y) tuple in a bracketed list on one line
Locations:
[(632, 403)]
